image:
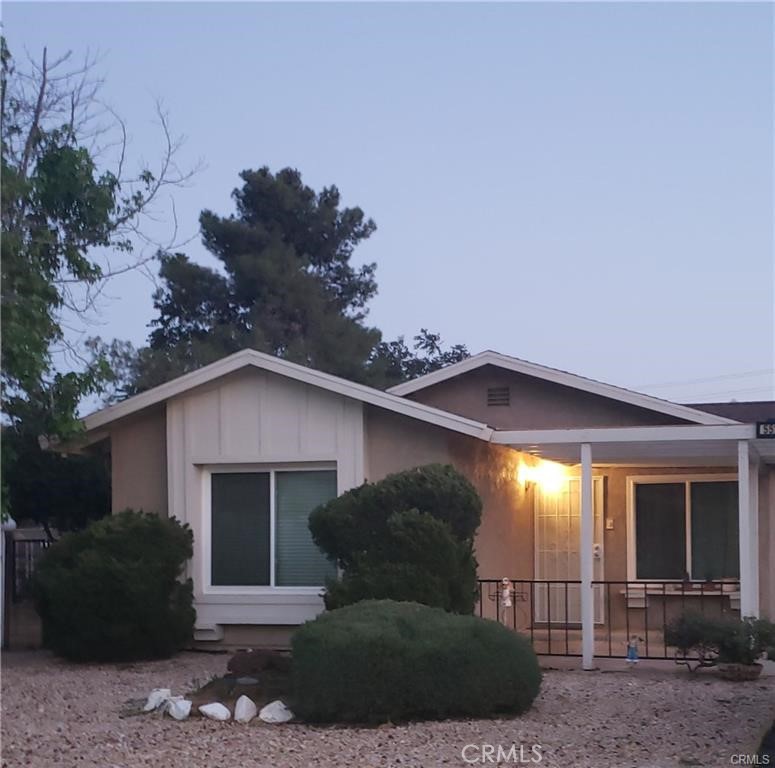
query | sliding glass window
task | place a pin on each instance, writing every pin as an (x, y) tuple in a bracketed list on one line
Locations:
[(686, 527), (260, 518)]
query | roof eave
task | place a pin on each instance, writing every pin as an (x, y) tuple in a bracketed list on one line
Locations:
[(563, 378), (251, 358)]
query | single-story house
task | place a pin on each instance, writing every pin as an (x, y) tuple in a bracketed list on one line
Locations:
[(606, 509)]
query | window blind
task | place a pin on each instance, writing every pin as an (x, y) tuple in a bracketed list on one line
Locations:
[(298, 562), (715, 553)]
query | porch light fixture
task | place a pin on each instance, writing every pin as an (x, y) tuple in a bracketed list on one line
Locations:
[(549, 476)]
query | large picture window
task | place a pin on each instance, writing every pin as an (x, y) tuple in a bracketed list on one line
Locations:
[(685, 527), (258, 528)]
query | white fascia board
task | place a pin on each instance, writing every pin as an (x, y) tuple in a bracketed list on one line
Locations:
[(563, 378), (442, 374), (251, 358), (165, 391), (526, 438)]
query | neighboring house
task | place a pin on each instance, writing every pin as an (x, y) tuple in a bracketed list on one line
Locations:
[(608, 509)]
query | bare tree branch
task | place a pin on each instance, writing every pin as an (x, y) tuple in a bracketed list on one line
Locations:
[(56, 101), (32, 133)]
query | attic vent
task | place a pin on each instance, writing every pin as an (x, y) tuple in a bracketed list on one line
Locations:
[(498, 396)]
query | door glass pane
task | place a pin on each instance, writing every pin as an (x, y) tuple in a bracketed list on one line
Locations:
[(660, 530), (298, 562), (240, 528), (715, 553)]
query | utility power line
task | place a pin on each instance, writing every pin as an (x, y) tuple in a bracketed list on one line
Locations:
[(724, 377), (767, 391)]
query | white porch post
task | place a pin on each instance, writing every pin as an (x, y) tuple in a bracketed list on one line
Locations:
[(586, 551), (748, 527)]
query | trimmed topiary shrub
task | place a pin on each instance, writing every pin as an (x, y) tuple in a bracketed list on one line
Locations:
[(112, 592), (382, 660), (408, 537)]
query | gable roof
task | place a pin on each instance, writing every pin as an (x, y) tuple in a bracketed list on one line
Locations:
[(747, 412), (563, 378), (250, 358)]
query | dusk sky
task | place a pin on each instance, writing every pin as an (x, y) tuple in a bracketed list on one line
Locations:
[(586, 186)]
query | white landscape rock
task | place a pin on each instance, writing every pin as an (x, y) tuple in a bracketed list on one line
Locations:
[(245, 709), (215, 711), (156, 698), (178, 707), (275, 712)]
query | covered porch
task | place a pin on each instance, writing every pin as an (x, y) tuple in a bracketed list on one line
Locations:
[(632, 527)]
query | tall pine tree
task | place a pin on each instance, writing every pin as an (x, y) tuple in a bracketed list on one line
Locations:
[(287, 286)]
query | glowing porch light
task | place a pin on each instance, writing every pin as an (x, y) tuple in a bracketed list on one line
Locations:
[(549, 476)]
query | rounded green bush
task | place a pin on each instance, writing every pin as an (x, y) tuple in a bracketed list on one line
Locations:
[(407, 537), (113, 592), (381, 660)]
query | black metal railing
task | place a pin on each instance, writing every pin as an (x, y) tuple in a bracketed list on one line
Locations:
[(549, 612), (23, 557)]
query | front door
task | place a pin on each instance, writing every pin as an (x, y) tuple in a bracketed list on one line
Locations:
[(557, 528)]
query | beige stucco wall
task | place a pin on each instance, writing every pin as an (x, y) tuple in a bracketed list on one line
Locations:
[(504, 544), (138, 449), (535, 404)]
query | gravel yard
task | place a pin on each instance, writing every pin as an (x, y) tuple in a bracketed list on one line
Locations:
[(58, 714)]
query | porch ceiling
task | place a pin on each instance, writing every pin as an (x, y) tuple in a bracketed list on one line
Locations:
[(710, 454), (655, 446)]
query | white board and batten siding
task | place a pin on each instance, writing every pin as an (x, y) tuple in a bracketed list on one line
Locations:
[(259, 419)]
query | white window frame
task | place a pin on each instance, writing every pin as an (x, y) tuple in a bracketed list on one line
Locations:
[(208, 587), (687, 480)]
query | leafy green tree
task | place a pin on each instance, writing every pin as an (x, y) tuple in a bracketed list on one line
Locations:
[(68, 226), (70, 223), (59, 491), (54, 206), (392, 362)]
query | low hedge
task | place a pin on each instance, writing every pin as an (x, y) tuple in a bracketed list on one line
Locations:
[(381, 660), (113, 592), (724, 639)]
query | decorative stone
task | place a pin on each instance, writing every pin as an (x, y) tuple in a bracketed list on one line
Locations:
[(215, 711), (247, 681), (275, 712), (178, 707), (245, 709), (156, 698)]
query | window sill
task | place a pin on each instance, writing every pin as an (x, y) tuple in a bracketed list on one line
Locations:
[(274, 591), (637, 595), (695, 589)]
